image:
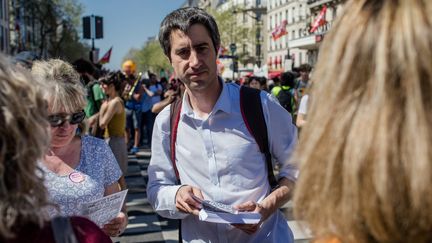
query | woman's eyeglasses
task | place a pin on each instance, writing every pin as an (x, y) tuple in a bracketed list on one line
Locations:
[(57, 120)]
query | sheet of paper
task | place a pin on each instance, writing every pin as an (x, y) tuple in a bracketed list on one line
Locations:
[(229, 218), (101, 211)]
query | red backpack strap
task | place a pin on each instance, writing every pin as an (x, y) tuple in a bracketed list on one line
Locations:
[(175, 111), (253, 117)]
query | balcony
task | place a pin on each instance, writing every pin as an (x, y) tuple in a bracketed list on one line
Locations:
[(316, 3), (307, 43)]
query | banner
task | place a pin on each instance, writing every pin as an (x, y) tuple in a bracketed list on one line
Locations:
[(320, 20), (280, 30)]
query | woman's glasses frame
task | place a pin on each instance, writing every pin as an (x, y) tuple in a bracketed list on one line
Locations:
[(59, 119)]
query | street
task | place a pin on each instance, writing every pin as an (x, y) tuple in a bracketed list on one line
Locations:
[(146, 226)]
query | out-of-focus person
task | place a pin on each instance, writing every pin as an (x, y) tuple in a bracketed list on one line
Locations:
[(24, 139), (77, 168), (132, 93), (175, 90), (112, 118), (257, 83), (95, 95), (365, 152)]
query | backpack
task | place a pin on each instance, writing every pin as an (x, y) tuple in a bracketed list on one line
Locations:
[(286, 99), (253, 116)]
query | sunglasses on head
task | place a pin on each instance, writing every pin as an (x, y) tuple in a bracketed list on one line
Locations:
[(57, 120)]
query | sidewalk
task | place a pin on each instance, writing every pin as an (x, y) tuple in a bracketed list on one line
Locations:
[(146, 226)]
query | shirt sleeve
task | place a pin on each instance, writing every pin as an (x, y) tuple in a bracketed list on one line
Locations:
[(162, 187), (282, 136), (303, 105), (97, 92)]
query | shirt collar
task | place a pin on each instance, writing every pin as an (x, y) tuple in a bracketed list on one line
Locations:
[(223, 103)]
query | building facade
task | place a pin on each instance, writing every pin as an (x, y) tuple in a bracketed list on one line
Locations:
[(311, 41), (295, 13)]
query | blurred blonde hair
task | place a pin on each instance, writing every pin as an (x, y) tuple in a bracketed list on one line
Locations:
[(65, 92), (23, 140), (365, 154)]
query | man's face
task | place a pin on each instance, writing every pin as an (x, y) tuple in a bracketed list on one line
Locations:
[(127, 70), (304, 75), (193, 57)]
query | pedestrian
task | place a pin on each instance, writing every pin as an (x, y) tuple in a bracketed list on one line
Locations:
[(302, 83), (78, 168), (23, 141), (132, 93), (366, 161), (112, 118), (216, 157), (94, 95)]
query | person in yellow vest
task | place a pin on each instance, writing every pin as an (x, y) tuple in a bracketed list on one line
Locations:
[(365, 152)]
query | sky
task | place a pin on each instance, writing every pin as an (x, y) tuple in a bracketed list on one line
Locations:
[(127, 24)]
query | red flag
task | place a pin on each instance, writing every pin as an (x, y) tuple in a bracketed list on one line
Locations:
[(106, 57), (320, 20), (280, 30)]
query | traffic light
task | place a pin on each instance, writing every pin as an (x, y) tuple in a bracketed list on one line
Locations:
[(235, 66), (99, 27), (86, 27), (92, 27)]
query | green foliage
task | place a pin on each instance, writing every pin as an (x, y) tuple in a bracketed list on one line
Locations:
[(55, 24), (232, 31), (149, 58)]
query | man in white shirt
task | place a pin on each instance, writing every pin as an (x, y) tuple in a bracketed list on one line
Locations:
[(216, 157)]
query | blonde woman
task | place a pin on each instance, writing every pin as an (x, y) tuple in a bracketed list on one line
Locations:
[(365, 154), (112, 118), (77, 168), (23, 141)]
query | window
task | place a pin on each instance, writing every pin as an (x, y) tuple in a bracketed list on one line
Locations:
[(292, 14), (293, 34), (301, 57)]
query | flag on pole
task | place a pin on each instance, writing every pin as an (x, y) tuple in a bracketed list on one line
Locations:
[(280, 30), (106, 57), (320, 20)]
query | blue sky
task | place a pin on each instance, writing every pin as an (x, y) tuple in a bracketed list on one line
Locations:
[(127, 23)]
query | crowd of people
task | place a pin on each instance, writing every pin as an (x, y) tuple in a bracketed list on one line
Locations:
[(360, 171)]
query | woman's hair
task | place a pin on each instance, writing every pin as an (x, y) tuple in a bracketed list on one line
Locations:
[(23, 140), (115, 78), (65, 92), (365, 154)]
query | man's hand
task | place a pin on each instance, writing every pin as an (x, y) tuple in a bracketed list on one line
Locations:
[(185, 202), (268, 206), (251, 206)]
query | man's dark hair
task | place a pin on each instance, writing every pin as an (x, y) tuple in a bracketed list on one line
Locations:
[(288, 79), (305, 68), (83, 66), (182, 19)]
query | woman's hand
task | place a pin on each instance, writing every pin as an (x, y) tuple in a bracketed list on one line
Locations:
[(116, 226)]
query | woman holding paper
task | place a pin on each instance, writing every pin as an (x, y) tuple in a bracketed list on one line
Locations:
[(78, 169)]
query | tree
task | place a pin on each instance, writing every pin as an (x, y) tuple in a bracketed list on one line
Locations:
[(231, 31), (54, 24), (150, 57)]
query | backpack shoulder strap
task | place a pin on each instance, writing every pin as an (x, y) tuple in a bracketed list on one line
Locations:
[(175, 111), (62, 230), (253, 117)]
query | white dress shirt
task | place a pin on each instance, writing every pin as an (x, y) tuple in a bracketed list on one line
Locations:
[(220, 156)]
